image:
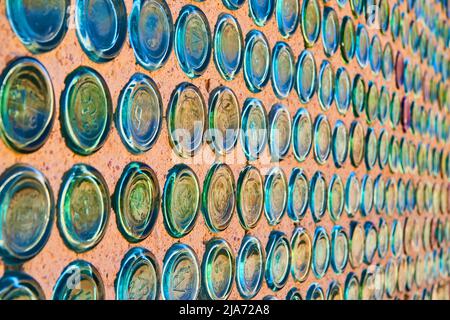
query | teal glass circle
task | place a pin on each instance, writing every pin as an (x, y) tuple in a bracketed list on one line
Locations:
[(89, 285), (383, 148), (261, 11), (395, 21), (306, 78), (403, 30), (101, 27), (334, 291), (310, 21), (301, 254), (136, 201), (330, 31), (275, 195), (358, 95), (370, 242), (435, 162), (151, 32), (417, 79), (83, 208), (430, 87), (192, 41), (250, 197), (356, 244), (362, 45), (326, 85), (298, 197), (401, 197), (339, 249), (410, 272), (27, 105), (433, 124), (352, 195), (348, 39), (254, 128), (406, 163), (86, 111), (180, 274), (414, 41), (318, 198), (411, 196), (39, 25), (256, 61), (375, 54), (367, 195), (138, 276), (383, 238), (421, 158), (396, 238), (395, 110), (387, 65), (383, 105), (394, 155), (27, 213), (278, 263), (339, 144), (322, 139), (315, 292), (356, 143), (249, 267), (224, 120), (19, 286), (233, 4), (342, 91), (371, 103), (351, 291), (357, 7), (321, 251), (138, 117), (370, 149), (283, 69), (228, 46), (218, 197), (280, 132), (302, 134), (427, 268), (383, 15), (408, 75), (186, 119), (336, 195), (390, 197), (181, 200), (218, 269), (288, 16), (341, 3), (379, 199), (294, 294)]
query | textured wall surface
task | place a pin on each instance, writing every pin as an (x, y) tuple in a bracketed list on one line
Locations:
[(55, 158)]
